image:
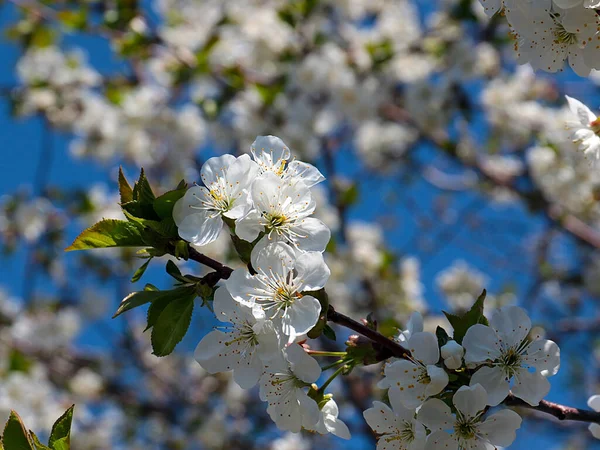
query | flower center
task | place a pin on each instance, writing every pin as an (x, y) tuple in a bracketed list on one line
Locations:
[(275, 220), (286, 296), (465, 429), (510, 361), (563, 36)]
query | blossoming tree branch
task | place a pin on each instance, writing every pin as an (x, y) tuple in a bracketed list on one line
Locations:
[(440, 386), (391, 99)]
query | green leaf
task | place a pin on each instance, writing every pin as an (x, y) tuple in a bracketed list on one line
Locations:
[(140, 272), (329, 333), (174, 271), (125, 190), (108, 233), (163, 205), (60, 437), (350, 196), (462, 323), (442, 336), (73, 20), (155, 309), (36, 442), (171, 325), (140, 298), (15, 436), (142, 191)]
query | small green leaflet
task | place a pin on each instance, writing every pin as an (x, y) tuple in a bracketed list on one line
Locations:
[(462, 323), (108, 233), (171, 325), (140, 298), (60, 437)]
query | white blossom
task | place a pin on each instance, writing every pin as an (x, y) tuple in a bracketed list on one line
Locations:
[(329, 421), (416, 378), (468, 429), (282, 274), (245, 347), (281, 210), (397, 426), (289, 405), (198, 214), (586, 129), (594, 403), (505, 353), (452, 353)]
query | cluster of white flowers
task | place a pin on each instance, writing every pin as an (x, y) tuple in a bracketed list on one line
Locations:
[(266, 200), (270, 306), (548, 32), (502, 356)]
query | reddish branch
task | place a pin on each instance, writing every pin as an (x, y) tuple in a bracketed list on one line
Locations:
[(561, 412)]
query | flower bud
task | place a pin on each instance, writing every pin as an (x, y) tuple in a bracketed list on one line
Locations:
[(452, 353)]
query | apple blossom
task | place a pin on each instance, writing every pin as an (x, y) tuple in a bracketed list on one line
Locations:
[(587, 129), (468, 430), (245, 347), (416, 378), (272, 155), (504, 352), (198, 214), (452, 354), (397, 426), (282, 274), (329, 421), (289, 405), (281, 210)]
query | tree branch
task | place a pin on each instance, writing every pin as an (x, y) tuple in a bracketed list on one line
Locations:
[(561, 412)]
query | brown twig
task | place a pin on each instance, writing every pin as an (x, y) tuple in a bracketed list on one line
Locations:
[(561, 412)]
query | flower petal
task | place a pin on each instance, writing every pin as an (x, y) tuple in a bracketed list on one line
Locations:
[(247, 370), (308, 173), (302, 364), (313, 236), (312, 271), (493, 380), (500, 428), (480, 344), (470, 400), (424, 347), (512, 324), (436, 415), (531, 387), (544, 355), (215, 167), (301, 316), (381, 418)]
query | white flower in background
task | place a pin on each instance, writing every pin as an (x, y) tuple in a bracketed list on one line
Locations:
[(468, 430), (506, 353), (291, 441), (198, 214), (452, 353), (282, 210), (461, 284), (289, 405), (330, 423), (397, 426), (282, 274), (245, 347), (416, 378), (594, 403), (586, 129), (272, 155), (414, 325)]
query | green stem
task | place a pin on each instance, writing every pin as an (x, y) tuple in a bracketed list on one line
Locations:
[(331, 378), (320, 353), (332, 365)]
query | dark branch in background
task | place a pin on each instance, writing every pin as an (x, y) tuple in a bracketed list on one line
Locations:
[(561, 412)]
